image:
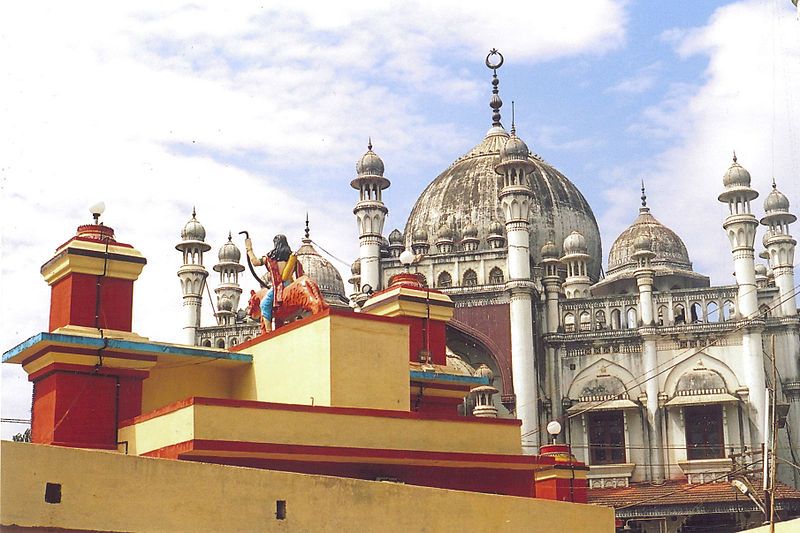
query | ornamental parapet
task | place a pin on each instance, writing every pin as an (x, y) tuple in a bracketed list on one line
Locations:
[(792, 391)]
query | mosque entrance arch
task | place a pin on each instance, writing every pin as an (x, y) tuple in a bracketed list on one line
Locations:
[(475, 348)]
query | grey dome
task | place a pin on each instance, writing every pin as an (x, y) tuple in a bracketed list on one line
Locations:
[(225, 304), (470, 230), (575, 243), (370, 164), (549, 250), (229, 252), (514, 149), (642, 242), (495, 227), (193, 230), (664, 243), (467, 192), (736, 176), (395, 237), (445, 232), (419, 235), (776, 202), (324, 273)]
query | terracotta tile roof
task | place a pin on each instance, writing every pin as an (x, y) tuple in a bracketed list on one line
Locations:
[(673, 493)]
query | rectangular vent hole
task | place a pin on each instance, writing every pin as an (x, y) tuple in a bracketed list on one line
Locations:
[(52, 493), (280, 509)]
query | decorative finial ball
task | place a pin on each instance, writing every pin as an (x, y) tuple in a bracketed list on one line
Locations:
[(406, 258), (553, 427), (484, 371)]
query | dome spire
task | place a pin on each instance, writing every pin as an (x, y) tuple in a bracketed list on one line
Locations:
[(644, 198), (369, 142), (734, 156), (308, 232), (513, 125), (495, 103)]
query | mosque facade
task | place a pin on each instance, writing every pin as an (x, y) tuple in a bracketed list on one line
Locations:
[(654, 375)]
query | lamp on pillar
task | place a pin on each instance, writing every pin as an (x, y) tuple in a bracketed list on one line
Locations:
[(553, 428), (96, 210)]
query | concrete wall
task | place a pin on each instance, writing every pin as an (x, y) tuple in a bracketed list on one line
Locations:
[(112, 492)]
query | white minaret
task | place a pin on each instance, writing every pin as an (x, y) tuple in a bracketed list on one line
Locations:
[(576, 258), (228, 291), (642, 255), (780, 247), (551, 280), (371, 214), (515, 196), (192, 274), (741, 225)]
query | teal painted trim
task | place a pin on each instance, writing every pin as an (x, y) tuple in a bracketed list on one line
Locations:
[(97, 343), (457, 378)]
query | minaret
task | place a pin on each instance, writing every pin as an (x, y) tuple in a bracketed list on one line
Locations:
[(643, 255), (576, 258), (371, 214), (551, 280), (780, 247), (192, 274), (228, 291), (741, 225), (515, 196)]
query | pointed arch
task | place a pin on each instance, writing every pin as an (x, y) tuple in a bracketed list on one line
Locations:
[(708, 362), (606, 367)]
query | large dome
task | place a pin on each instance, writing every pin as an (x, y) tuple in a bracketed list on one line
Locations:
[(467, 194), (324, 273), (665, 243)]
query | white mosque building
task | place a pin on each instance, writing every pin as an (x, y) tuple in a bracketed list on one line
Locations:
[(653, 373)]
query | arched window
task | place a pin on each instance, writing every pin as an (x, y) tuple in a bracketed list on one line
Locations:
[(630, 318), (233, 341), (696, 313), (470, 278), (207, 343), (662, 315), (680, 314), (495, 276), (600, 320), (569, 322), (586, 321), (727, 310), (444, 280), (764, 311), (615, 319), (220, 343), (712, 312), (422, 279)]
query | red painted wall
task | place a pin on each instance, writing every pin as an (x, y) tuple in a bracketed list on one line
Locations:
[(436, 332), (73, 301), (495, 322)]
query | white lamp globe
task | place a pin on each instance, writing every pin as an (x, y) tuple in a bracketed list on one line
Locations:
[(554, 428)]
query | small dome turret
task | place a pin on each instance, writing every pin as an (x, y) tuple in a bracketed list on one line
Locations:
[(575, 243), (484, 371), (495, 227), (514, 149), (549, 250), (395, 237), (445, 233), (776, 202), (355, 268), (736, 175), (419, 236), (642, 243), (370, 163), (470, 231), (229, 252), (193, 230)]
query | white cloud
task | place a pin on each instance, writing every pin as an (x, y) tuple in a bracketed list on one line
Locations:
[(642, 81), (747, 101), (245, 112)]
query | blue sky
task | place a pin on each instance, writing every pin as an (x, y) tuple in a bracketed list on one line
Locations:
[(256, 113)]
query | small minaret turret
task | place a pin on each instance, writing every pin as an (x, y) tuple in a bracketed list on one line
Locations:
[(642, 255), (192, 274), (228, 291), (741, 225), (780, 247), (551, 280), (576, 258), (515, 195), (371, 214)]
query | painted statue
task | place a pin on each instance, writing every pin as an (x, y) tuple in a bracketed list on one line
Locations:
[(288, 292)]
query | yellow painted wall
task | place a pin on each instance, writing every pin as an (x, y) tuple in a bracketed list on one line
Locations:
[(113, 492), (337, 361), (293, 367), (369, 364), (179, 378), (319, 429)]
